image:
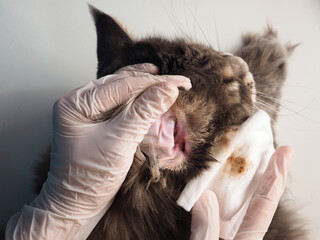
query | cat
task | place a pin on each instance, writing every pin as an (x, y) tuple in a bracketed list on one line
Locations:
[(223, 96)]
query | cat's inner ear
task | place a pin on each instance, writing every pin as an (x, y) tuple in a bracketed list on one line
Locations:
[(112, 42)]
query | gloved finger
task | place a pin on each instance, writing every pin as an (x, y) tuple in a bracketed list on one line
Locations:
[(205, 217), (266, 199), (98, 97), (113, 94), (133, 70)]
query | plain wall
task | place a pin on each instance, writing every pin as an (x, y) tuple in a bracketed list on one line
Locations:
[(48, 48)]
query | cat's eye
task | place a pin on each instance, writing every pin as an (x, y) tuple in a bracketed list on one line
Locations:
[(228, 80)]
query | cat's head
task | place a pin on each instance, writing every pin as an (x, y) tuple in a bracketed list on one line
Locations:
[(222, 95)]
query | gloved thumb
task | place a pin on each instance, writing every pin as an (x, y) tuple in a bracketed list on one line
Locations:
[(266, 199), (205, 224)]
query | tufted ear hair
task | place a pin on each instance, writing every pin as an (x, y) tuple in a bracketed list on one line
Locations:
[(291, 48), (112, 42)]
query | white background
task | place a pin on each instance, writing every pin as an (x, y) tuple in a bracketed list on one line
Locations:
[(48, 48)]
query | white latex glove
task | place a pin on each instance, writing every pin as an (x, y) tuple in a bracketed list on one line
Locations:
[(205, 213), (90, 157)]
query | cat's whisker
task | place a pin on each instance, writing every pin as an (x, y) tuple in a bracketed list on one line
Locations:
[(269, 106), (178, 25), (279, 101), (186, 20), (216, 30), (276, 100), (288, 91), (183, 34), (266, 105), (273, 108), (286, 115), (197, 23), (194, 21), (303, 107), (276, 85), (174, 21)]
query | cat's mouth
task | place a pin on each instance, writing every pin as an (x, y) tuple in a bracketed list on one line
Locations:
[(166, 141)]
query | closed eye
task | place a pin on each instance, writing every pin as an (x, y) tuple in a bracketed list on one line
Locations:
[(228, 80)]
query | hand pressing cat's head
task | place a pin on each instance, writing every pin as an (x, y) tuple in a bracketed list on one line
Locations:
[(222, 95)]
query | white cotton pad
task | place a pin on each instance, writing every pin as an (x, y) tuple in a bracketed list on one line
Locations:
[(236, 174)]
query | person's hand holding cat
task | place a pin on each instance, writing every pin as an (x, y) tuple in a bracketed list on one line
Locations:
[(91, 156), (205, 213)]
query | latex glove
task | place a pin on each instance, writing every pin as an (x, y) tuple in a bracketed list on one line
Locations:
[(205, 213), (90, 157)]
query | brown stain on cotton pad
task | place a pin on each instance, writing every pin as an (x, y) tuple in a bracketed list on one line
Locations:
[(237, 165)]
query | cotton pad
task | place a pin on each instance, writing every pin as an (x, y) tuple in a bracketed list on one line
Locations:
[(236, 174)]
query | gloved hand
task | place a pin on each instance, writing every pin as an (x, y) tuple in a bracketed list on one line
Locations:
[(90, 155), (205, 213)]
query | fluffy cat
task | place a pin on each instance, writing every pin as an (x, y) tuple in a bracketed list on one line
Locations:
[(223, 96)]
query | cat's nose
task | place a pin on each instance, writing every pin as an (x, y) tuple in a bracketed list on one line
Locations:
[(249, 82)]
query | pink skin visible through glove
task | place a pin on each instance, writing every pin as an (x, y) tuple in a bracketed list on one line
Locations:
[(167, 140)]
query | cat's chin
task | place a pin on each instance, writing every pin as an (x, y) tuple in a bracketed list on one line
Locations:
[(166, 141)]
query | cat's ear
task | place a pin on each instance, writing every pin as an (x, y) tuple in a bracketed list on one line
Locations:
[(291, 48), (112, 41)]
